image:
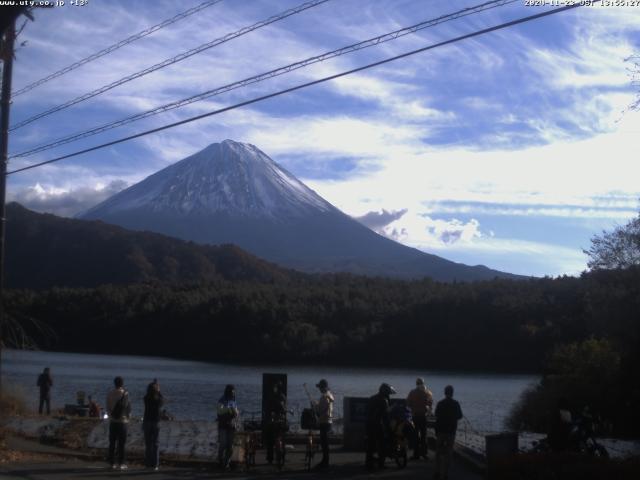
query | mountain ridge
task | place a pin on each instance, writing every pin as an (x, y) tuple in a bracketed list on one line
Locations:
[(232, 192)]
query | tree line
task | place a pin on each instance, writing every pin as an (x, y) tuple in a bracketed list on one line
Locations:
[(499, 325)]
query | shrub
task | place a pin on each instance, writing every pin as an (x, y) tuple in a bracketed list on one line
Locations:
[(586, 374), (12, 401)]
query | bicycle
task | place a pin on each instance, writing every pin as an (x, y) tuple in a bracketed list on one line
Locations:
[(309, 422), (250, 429), (310, 451), (279, 448), (401, 429), (399, 454), (280, 428)]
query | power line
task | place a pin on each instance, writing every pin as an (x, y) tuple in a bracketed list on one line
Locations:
[(301, 86), (171, 61), (266, 75), (116, 46)]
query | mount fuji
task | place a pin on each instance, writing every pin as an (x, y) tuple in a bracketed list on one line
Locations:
[(232, 192)]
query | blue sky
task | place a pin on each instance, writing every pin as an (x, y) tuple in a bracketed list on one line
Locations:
[(509, 150)]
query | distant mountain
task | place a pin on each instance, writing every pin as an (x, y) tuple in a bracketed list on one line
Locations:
[(232, 192), (45, 251)]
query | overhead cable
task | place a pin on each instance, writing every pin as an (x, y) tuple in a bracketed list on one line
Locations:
[(266, 75), (171, 61), (301, 86), (116, 46)]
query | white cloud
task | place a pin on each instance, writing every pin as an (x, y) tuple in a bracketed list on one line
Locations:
[(424, 232), (401, 100), (629, 210), (564, 173), (65, 202)]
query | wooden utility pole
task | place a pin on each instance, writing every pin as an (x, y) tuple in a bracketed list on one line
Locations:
[(5, 104)]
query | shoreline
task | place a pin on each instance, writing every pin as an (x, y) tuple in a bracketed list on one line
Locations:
[(300, 365)]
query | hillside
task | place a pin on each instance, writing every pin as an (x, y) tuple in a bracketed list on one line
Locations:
[(44, 251)]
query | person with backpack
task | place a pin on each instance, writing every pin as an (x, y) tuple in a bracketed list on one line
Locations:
[(420, 400), (45, 382), (153, 401), (227, 420), (324, 412), (119, 409)]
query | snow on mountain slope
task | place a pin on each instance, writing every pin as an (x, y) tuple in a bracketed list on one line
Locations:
[(230, 177)]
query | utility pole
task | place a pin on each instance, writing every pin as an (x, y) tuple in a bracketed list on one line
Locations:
[(5, 104)]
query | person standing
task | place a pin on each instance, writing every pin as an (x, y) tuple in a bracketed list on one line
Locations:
[(45, 382), (274, 419), (153, 402), (227, 419), (377, 426), (119, 408), (324, 411), (448, 412), (420, 401)]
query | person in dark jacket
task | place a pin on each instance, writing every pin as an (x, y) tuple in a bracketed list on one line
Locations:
[(324, 411), (119, 408), (274, 419), (153, 402), (377, 426), (45, 382), (227, 419), (448, 412)]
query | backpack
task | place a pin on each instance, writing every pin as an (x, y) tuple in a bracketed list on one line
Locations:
[(121, 407)]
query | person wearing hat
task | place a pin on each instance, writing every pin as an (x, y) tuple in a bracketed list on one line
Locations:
[(420, 401), (324, 411), (377, 426)]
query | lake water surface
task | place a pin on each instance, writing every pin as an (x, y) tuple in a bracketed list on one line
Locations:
[(193, 388)]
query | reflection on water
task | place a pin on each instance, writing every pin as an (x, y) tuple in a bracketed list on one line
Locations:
[(193, 388)]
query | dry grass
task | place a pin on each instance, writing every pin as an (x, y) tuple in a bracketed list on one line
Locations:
[(15, 456), (74, 435), (12, 401)]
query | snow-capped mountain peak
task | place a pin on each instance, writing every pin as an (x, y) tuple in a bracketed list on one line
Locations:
[(228, 177)]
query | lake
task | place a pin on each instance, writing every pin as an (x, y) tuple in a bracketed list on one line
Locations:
[(192, 388)]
